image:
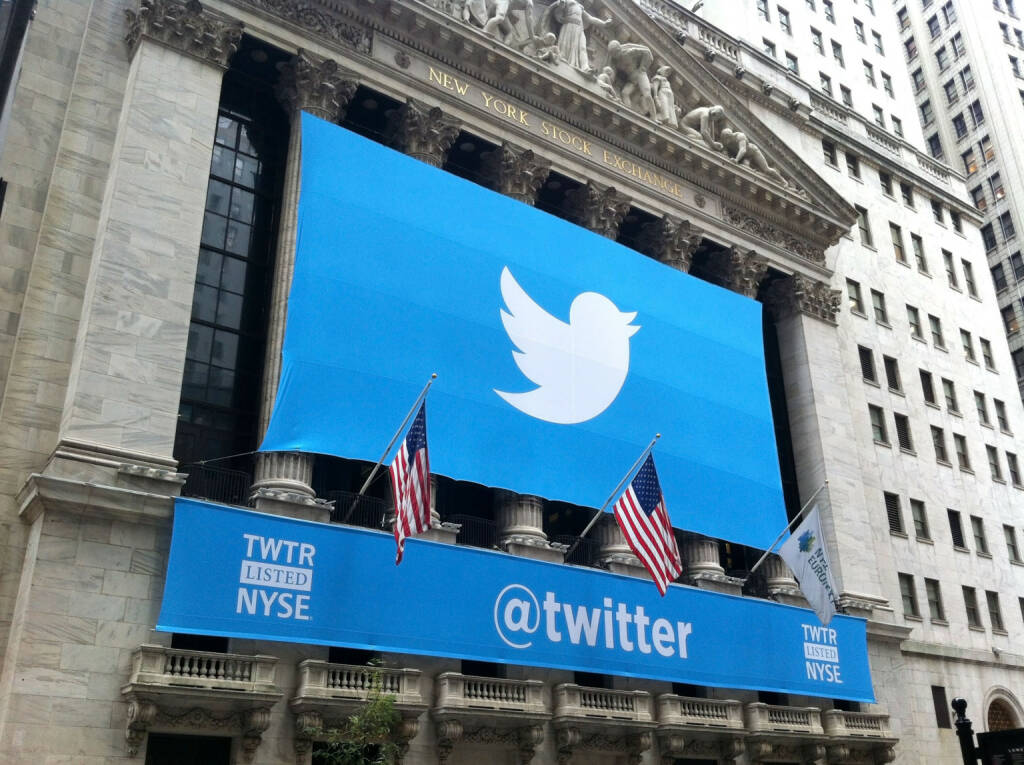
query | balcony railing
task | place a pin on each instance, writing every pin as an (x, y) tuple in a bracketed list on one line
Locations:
[(456, 691), (369, 512), (585, 552), (704, 713), (599, 703), (475, 531), (216, 484), (323, 681), (778, 719), (856, 724), (171, 668)]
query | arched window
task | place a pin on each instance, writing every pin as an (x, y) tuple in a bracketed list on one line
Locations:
[(1001, 716)]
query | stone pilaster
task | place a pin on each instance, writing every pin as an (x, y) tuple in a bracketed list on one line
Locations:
[(799, 294), (423, 132), (704, 567), (318, 85), (186, 27), (516, 172), (670, 241), (598, 208), (738, 271), (614, 552), (520, 520)]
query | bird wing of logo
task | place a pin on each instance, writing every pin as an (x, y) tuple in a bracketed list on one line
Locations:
[(806, 541), (578, 367)]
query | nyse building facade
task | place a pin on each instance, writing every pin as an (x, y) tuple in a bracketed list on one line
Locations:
[(239, 237)]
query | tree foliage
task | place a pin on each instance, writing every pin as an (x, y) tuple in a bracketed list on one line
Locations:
[(367, 737)]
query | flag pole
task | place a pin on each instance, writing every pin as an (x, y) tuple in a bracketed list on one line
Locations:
[(788, 525), (613, 495), (373, 473)]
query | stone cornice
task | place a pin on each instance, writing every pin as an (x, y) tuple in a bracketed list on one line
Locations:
[(186, 27), (330, 21)]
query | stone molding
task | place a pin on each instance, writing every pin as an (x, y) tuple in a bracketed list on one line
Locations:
[(738, 271), (571, 738), (516, 172), (773, 234), (675, 745), (525, 739), (423, 132), (186, 27), (799, 294), (670, 241), (598, 208), (318, 19), (317, 85)]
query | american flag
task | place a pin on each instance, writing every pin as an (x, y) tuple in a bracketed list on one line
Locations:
[(644, 521), (410, 483)]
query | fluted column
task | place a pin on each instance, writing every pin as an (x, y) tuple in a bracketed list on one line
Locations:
[(598, 208), (614, 552), (520, 519), (704, 567), (516, 172), (782, 585), (423, 132), (317, 85), (670, 241)]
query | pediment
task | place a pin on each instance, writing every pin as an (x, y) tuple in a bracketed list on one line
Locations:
[(637, 75)]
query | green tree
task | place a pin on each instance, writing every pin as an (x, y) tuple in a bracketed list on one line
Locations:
[(367, 737)]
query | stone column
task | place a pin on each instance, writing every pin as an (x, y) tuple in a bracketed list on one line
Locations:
[(319, 86), (670, 241), (598, 208), (520, 520), (704, 567), (121, 405), (738, 271), (423, 132), (516, 172), (782, 585), (614, 552)]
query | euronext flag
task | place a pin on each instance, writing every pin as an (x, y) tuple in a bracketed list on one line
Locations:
[(804, 552)]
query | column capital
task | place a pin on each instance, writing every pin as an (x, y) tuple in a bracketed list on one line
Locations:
[(423, 132), (186, 27), (516, 172), (599, 208), (316, 84), (670, 241), (799, 294), (739, 271)]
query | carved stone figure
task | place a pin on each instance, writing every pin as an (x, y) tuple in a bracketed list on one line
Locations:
[(547, 48), (570, 19), (606, 82), (664, 98), (496, 19), (741, 150), (703, 123), (630, 61)]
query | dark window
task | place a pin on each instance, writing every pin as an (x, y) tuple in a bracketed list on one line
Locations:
[(892, 373), (941, 707), (893, 512), (920, 516), (867, 364), (903, 436), (909, 594), (166, 749), (207, 643), (956, 530), (927, 387)]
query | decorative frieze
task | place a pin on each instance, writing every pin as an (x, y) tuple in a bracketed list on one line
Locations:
[(766, 231), (317, 85), (319, 20), (571, 738), (516, 172), (423, 132), (598, 208), (670, 241), (802, 294), (187, 27)]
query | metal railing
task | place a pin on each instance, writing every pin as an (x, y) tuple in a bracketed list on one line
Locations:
[(475, 532), (585, 552), (370, 512), (217, 484)]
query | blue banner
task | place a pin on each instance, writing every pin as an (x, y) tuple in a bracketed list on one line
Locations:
[(244, 574), (560, 353)]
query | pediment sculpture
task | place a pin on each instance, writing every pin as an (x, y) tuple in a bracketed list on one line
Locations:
[(565, 35)]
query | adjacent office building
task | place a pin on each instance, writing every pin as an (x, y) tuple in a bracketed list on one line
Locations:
[(151, 161)]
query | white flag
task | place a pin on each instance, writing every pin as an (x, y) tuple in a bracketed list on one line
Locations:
[(804, 552)]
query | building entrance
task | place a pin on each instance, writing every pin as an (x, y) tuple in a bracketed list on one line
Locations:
[(195, 750)]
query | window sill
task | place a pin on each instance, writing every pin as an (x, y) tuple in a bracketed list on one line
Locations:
[(976, 298), (926, 541), (910, 452), (939, 622), (975, 628), (861, 314), (872, 383), (999, 480), (869, 246), (1006, 432), (999, 631), (961, 549), (885, 324), (886, 444), (897, 392), (919, 339), (912, 618), (967, 470), (933, 405), (1017, 562), (946, 463), (903, 263), (900, 534), (1019, 486), (955, 413), (924, 273), (972, 361), (942, 348), (986, 555), (987, 425)]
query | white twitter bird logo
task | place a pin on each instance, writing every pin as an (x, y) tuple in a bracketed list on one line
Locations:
[(579, 367)]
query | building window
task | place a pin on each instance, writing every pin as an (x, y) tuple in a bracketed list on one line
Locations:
[(934, 28), (858, 30), (967, 79), (792, 64), (952, 94), (870, 5), (920, 517), (988, 236), (935, 149), (909, 596), (939, 442), (1015, 66), (826, 84), (830, 13), (877, 39), (995, 183), (762, 8), (955, 529), (928, 389), (907, 192), (917, 245), (887, 85), (867, 364), (917, 78), (978, 198), (1006, 224), (1009, 319), (1017, 264), (972, 286), (963, 458), (937, 211), (947, 261), (1013, 467), (846, 96), (986, 354), (956, 42), (935, 325), (910, 48), (942, 58), (954, 218), (864, 226), (869, 73), (878, 306), (903, 18), (968, 345), (949, 393), (892, 374), (995, 614), (959, 126), (903, 435), (879, 115), (837, 54), (977, 114), (885, 181), (816, 38), (878, 431), (994, 466), (893, 512), (942, 719), (935, 610), (968, 158), (982, 408), (784, 22), (897, 125), (1017, 357), (828, 149), (852, 165), (1001, 418), (914, 319), (769, 47), (856, 299)]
